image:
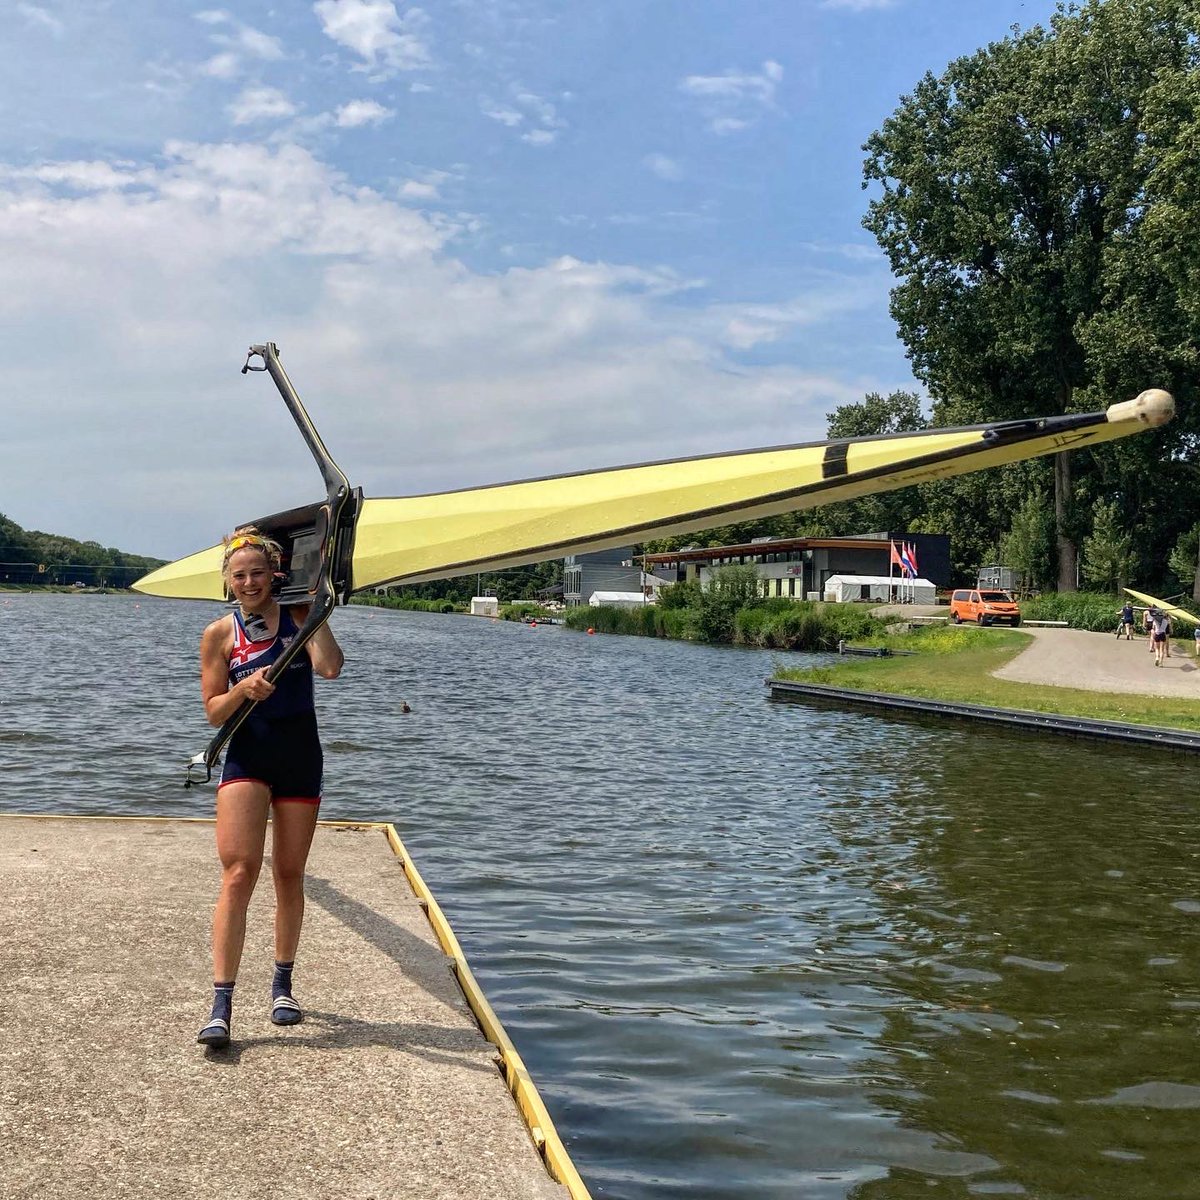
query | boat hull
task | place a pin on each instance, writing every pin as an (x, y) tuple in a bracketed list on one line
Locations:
[(412, 539)]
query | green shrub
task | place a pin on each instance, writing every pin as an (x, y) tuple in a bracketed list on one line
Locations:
[(677, 623), (1096, 611), (406, 603), (606, 619), (805, 625), (679, 595), (776, 624), (521, 609)]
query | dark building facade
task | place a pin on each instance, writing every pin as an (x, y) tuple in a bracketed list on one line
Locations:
[(613, 570)]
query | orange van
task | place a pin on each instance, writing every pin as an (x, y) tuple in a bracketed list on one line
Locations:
[(984, 606)]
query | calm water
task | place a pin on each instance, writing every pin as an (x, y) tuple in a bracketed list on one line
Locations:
[(747, 950)]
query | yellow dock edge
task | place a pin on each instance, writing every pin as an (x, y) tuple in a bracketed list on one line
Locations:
[(516, 1074), (520, 1083)]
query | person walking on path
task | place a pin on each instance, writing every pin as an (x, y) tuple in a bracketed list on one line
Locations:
[(1160, 632), (1196, 637), (1148, 626), (273, 766), (1126, 625)]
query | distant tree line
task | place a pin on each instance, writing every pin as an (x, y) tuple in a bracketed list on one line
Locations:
[(30, 557), (515, 583)]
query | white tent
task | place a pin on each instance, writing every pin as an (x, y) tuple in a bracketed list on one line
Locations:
[(617, 599), (879, 589)]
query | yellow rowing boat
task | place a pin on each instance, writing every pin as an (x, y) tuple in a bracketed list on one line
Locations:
[(1172, 610), (411, 539)]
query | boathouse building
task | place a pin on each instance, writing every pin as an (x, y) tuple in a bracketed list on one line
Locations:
[(612, 570), (800, 567)]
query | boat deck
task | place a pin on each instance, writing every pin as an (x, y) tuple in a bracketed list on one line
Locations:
[(387, 1089)]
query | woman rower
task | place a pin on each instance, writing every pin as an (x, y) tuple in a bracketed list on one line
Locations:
[(273, 765)]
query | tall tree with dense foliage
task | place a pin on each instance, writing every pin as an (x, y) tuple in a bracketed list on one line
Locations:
[(1108, 549), (1184, 560), (875, 414), (1027, 546), (1008, 186)]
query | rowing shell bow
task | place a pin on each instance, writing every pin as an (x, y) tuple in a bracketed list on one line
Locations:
[(346, 543)]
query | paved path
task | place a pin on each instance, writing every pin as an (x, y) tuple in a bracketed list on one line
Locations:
[(387, 1090), (1101, 662)]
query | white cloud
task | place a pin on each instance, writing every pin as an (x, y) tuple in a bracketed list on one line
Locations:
[(258, 45), (760, 87), (376, 32), (528, 107), (745, 326), (222, 66), (361, 112), (260, 104), (158, 274), (734, 99), (238, 47), (415, 189), (506, 116), (425, 187), (37, 16), (663, 167), (78, 176), (723, 125), (851, 251)]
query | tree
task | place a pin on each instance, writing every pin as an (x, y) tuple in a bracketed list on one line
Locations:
[(1148, 329), (1108, 550), (1028, 546), (900, 412), (730, 589), (1006, 183), (1185, 560)]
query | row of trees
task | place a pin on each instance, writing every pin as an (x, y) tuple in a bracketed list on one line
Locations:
[(1037, 204), (31, 557), (516, 583)]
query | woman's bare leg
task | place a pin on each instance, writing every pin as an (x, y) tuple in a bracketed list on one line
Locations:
[(241, 831), (292, 825)]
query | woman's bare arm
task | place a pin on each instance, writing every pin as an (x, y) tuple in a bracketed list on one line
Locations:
[(220, 700), (323, 651)]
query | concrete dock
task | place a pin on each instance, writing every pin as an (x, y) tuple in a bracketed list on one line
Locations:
[(387, 1089)]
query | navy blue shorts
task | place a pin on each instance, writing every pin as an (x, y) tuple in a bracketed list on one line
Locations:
[(284, 753)]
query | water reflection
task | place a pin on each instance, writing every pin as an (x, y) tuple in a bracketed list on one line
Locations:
[(746, 949), (1047, 968)]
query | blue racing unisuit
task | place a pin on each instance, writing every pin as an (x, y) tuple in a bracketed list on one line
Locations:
[(278, 743)]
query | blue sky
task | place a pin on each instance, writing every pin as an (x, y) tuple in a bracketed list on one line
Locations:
[(492, 238)]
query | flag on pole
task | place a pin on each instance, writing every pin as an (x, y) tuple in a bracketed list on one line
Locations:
[(912, 558), (906, 561), (896, 559)]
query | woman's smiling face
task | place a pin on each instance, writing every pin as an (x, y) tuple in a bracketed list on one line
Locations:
[(250, 578)]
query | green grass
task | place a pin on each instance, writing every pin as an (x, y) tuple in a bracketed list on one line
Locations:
[(956, 664)]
